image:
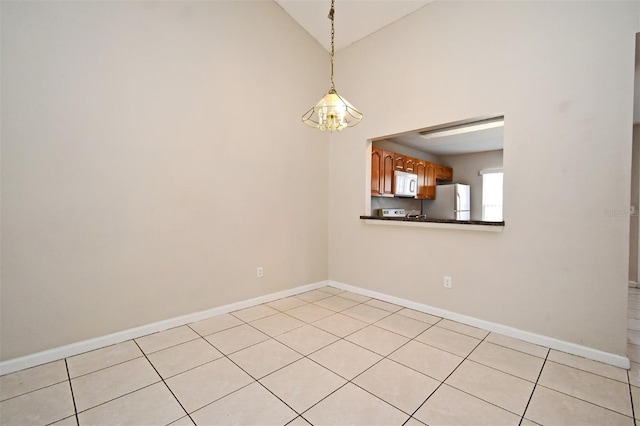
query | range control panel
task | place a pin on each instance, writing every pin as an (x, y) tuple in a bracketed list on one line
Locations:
[(391, 213)]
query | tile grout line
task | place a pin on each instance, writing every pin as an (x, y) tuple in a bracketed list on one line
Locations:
[(452, 353), (535, 385), (584, 400), (108, 366), (391, 360), (315, 362), (320, 319), (73, 398), (305, 356), (368, 324), (247, 373), (517, 350), (339, 338), (109, 400), (633, 411), (390, 313), (446, 378), (587, 371), (163, 382), (576, 397), (37, 389), (284, 312), (168, 347), (118, 397)]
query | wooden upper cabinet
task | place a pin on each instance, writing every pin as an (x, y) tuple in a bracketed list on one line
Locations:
[(387, 173), (410, 164), (384, 163), (444, 173), (398, 162), (377, 171), (421, 171), (426, 172), (381, 172), (430, 182), (404, 163)]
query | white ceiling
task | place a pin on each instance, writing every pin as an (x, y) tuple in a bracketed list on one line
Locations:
[(354, 19), (465, 143)]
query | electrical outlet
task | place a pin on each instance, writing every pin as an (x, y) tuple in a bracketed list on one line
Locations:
[(447, 281), (260, 272)]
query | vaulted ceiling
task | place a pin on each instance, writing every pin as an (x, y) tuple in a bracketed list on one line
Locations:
[(354, 19)]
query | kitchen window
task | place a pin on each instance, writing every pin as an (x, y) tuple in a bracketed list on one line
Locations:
[(492, 195)]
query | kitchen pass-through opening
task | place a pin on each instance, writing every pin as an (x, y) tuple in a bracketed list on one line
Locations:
[(461, 161)]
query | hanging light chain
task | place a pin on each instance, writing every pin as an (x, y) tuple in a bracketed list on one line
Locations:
[(332, 112), (331, 13)]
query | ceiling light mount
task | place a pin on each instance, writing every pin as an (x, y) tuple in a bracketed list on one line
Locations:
[(332, 112), (463, 128)]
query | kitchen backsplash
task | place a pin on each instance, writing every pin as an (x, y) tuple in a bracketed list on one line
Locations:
[(410, 205)]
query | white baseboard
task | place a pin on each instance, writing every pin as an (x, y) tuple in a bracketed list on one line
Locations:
[(61, 352), (72, 349), (633, 284), (549, 342)]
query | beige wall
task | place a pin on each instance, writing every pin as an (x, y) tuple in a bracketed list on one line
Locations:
[(562, 74), (152, 158)]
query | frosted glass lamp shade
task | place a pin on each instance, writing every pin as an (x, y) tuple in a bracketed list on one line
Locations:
[(332, 112)]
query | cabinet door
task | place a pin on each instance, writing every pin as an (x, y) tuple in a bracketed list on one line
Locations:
[(398, 162), (377, 172), (444, 173), (448, 174), (421, 171), (387, 172), (410, 164), (430, 182)]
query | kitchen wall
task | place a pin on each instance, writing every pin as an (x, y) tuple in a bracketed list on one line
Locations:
[(562, 74), (410, 205), (465, 170), (152, 158)]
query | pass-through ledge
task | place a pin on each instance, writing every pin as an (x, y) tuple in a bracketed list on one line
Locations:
[(473, 225)]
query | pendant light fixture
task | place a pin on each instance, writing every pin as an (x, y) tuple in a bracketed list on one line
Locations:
[(332, 112)]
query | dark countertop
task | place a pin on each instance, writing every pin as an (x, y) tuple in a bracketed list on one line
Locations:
[(461, 222)]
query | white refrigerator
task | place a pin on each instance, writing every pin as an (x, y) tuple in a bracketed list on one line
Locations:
[(453, 201)]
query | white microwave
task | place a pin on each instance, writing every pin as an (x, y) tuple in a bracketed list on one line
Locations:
[(405, 184)]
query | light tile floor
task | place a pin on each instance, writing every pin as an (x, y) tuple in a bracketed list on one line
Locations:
[(326, 357)]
